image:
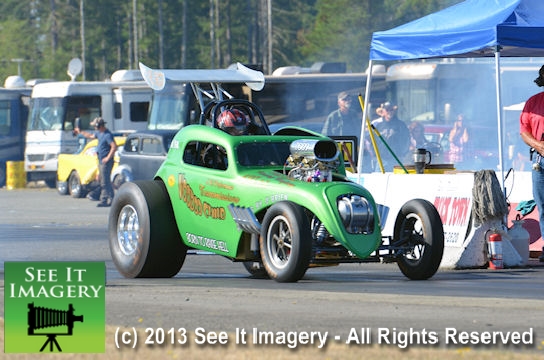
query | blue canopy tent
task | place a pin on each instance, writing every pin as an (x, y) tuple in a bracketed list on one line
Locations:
[(472, 28)]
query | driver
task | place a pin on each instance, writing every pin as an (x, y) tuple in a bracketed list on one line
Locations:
[(233, 122)]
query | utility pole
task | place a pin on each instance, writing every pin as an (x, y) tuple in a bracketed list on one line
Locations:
[(82, 34), (269, 23), (161, 41), (135, 30), (212, 36), (184, 35)]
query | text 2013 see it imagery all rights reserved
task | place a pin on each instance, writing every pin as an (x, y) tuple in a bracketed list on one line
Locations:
[(356, 336)]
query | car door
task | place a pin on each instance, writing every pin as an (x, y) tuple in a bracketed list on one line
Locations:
[(152, 155), (205, 191), (129, 156)]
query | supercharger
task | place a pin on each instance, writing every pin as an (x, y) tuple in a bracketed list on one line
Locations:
[(312, 160)]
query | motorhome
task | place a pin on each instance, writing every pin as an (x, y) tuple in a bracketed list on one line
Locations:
[(176, 105), (57, 107), (291, 95), (173, 107), (306, 96), (14, 100)]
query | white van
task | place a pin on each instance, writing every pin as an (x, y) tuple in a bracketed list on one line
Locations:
[(55, 106)]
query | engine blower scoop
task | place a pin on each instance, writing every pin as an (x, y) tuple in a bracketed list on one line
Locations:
[(321, 150)]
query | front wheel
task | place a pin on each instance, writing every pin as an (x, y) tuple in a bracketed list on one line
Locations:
[(118, 180), (62, 187), (143, 235), (74, 186), (256, 269), (419, 230), (285, 242)]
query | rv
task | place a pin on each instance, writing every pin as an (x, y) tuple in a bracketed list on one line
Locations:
[(176, 105), (173, 107), (14, 99), (306, 96), (57, 107), (291, 95)]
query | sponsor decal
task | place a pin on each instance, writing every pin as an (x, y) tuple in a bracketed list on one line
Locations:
[(219, 184), (212, 244), (218, 195), (196, 205), (455, 215), (269, 200), (171, 180)]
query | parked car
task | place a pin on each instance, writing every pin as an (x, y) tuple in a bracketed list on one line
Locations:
[(278, 203), (142, 155), (77, 173)]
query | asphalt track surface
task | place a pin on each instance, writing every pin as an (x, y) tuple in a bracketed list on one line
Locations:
[(214, 294)]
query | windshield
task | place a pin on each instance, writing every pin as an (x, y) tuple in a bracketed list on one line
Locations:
[(263, 154), (169, 108), (61, 113), (46, 114)]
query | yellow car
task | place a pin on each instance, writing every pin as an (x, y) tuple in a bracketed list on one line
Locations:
[(77, 173)]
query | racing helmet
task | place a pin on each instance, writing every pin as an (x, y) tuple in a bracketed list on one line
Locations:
[(233, 121)]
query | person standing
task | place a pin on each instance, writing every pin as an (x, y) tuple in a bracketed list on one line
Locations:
[(344, 121), (458, 139), (395, 133), (417, 136), (532, 133), (105, 151)]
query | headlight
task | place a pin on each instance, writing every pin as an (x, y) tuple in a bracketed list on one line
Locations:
[(48, 157), (357, 214)]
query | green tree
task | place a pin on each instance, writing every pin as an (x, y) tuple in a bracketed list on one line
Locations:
[(342, 29), (46, 34)]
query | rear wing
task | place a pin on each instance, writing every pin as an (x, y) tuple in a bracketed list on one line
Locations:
[(157, 78)]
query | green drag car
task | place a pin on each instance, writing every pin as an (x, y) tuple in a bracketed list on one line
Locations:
[(280, 203)]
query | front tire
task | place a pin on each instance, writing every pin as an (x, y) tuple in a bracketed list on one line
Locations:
[(62, 187), (256, 269), (118, 180), (74, 186), (143, 235), (285, 242), (418, 226)]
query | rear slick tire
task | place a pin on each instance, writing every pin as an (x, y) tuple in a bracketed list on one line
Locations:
[(143, 235)]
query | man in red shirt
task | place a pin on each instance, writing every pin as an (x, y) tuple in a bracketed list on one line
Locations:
[(531, 130)]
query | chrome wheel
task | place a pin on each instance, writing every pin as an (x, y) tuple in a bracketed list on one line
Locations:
[(285, 242), (128, 230), (279, 242), (74, 185)]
